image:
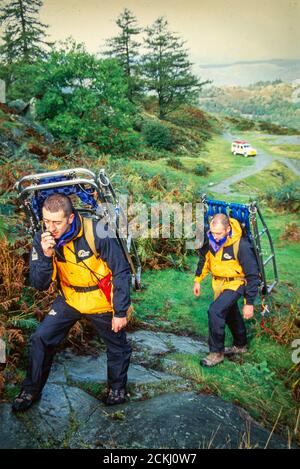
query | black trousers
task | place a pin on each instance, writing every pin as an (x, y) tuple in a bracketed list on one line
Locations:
[(225, 310), (55, 328)]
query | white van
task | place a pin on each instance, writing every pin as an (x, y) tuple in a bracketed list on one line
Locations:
[(241, 147)]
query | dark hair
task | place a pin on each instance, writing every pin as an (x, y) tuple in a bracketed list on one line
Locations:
[(220, 218), (56, 202)]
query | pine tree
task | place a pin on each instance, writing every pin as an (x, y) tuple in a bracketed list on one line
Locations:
[(24, 35), (167, 69), (125, 49)]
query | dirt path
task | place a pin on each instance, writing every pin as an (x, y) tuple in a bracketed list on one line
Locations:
[(260, 162)]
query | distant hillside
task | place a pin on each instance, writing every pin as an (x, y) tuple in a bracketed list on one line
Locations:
[(275, 102), (245, 72)]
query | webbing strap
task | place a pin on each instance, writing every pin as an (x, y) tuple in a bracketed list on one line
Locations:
[(84, 289), (89, 234), (228, 279), (235, 247)]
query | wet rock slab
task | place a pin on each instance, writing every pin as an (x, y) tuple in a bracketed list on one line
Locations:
[(159, 343), (68, 417), (85, 369), (50, 421), (185, 420), (13, 432)]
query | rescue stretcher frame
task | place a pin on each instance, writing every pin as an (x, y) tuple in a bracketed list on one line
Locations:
[(249, 221), (108, 206)]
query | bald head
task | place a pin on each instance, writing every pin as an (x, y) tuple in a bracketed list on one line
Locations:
[(220, 226), (220, 218)]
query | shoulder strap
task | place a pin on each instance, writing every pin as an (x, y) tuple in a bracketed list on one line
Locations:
[(89, 234), (236, 246)]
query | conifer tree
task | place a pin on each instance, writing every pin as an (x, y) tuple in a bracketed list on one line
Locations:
[(125, 48), (24, 36), (167, 69)]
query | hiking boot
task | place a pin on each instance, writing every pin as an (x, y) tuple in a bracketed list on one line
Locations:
[(212, 359), (234, 349), (24, 401), (115, 396)]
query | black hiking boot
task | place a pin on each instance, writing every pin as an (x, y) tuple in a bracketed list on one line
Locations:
[(115, 396), (24, 401)]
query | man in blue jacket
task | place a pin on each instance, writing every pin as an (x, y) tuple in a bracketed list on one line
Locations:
[(94, 282)]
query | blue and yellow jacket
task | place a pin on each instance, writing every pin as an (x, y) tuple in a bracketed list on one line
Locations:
[(233, 267), (77, 284)]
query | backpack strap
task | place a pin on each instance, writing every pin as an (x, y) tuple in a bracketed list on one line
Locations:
[(236, 246), (89, 234)]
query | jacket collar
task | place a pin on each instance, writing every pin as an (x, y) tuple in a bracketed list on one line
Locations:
[(234, 235), (236, 232), (217, 245), (75, 231)]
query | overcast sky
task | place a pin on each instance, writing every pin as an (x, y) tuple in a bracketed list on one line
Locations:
[(215, 30)]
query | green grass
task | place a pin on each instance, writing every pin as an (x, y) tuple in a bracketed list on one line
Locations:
[(224, 164), (217, 155), (94, 389), (287, 252), (254, 382), (286, 149), (272, 177), (168, 301), (260, 140)]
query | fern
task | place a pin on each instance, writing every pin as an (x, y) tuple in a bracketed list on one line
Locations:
[(27, 324)]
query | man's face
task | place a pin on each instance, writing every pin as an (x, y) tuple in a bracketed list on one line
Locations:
[(219, 231), (57, 223)]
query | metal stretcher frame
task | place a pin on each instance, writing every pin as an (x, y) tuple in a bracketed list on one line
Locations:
[(83, 181), (248, 215)]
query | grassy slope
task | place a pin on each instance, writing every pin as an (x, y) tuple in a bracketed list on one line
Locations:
[(168, 302), (269, 179), (217, 154), (265, 142)]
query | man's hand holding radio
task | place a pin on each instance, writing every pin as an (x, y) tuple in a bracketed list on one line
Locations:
[(48, 243)]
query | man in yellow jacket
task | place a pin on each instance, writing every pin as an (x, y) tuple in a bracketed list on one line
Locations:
[(232, 262), (93, 281)]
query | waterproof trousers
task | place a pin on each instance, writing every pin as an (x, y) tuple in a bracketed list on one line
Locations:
[(224, 310), (55, 327)]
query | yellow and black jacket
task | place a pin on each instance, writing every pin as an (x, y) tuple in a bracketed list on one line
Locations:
[(233, 266), (70, 266)]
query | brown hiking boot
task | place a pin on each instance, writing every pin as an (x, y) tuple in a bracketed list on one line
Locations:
[(234, 349), (212, 359)]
